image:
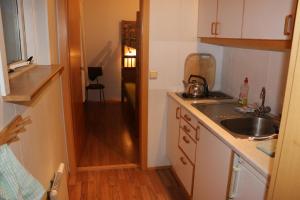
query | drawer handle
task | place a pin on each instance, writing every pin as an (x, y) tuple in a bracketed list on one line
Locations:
[(186, 129), (287, 25), (177, 111), (183, 160), (187, 117), (185, 139)]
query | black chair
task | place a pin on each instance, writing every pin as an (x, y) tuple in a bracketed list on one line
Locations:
[(94, 73)]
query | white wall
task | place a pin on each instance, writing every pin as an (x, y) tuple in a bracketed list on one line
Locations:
[(173, 36), (263, 68), (42, 147), (103, 42)]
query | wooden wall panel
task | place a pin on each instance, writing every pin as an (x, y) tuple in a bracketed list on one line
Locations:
[(285, 182), (143, 73), (75, 74), (68, 15)]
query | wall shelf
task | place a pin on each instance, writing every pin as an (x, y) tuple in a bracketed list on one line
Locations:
[(273, 45), (26, 85)]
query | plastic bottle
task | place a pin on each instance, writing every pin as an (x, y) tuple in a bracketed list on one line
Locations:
[(243, 97)]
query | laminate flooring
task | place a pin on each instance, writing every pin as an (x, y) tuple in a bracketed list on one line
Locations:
[(111, 139), (127, 184)]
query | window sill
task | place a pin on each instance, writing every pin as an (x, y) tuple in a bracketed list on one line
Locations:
[(26, 85)]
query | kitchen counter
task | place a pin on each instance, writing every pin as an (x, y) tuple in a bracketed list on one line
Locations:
[(243, 147)]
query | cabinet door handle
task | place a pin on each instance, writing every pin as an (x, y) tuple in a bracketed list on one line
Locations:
[(186, 129), (177, 111), (183, 161), (288, 25), (198, 133), (185, 139), (212, 28), (187, 117), (234, 182), (217, 28)]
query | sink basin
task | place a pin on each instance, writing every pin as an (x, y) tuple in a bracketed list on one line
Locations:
[(251, 126)]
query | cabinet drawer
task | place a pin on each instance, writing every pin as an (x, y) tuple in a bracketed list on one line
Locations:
[(184, 171), (188, 129), (187, 145), (187, 116)]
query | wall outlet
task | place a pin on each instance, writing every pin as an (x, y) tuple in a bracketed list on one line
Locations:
[(153, 75)]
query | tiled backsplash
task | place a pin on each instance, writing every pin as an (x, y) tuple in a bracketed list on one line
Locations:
[(263, 68)]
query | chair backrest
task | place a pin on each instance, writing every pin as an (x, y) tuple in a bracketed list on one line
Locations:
[(94, 72)]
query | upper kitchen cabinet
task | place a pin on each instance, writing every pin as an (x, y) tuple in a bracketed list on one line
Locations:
[(207, 18), (269, 19), (229, 19), (220, 18)]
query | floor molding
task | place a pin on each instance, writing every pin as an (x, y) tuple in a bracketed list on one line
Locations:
[(107, 167), (160, 167)]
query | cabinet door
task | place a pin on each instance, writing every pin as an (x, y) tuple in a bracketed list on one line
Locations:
[(230, 18), (207, 17), (268, 19), (212, 169), (172, 130)]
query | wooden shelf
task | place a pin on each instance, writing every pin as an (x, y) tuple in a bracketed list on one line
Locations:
[(24, 86), (273, 45)]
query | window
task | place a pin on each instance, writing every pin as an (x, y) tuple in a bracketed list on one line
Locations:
[(12, 39), (12, 22)]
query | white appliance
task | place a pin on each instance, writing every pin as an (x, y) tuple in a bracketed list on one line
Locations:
[(246, 182)]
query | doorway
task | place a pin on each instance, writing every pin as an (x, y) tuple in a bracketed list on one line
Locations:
[(111, 105)]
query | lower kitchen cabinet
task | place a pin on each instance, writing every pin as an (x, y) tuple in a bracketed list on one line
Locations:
[(212, 167), (173, 130), (246, 182), (208, 168)]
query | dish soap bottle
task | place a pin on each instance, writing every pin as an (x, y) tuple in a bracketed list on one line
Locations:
[(243, 97)]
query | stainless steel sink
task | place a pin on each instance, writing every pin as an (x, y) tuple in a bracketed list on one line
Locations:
[(250, 126)]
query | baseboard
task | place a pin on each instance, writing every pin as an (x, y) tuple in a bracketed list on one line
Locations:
[(106, 167), (160, 167)]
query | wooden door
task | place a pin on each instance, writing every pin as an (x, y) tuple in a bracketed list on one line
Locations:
[(207, 17), (212, 167), (230, 18), (268, 19), (75, 74), (172, 129), (285, 182)]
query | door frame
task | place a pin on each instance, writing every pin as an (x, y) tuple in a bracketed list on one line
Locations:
[(143, 98), (62, 15)]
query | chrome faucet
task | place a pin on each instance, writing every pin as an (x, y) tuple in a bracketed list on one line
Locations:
[(262, 109)]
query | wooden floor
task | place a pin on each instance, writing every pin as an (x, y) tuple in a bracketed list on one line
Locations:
[(111, 139), (127, 184)]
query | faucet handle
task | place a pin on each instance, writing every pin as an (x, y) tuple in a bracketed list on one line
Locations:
[(263, 93)]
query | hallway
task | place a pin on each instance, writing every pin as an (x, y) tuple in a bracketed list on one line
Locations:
[(110, 136)]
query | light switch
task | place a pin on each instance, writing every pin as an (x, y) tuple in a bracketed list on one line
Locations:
[(153, 75)]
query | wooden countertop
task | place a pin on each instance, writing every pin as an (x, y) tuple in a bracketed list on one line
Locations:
[(23, 87)]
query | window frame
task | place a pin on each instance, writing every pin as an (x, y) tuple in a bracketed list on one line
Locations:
[(4, 77)]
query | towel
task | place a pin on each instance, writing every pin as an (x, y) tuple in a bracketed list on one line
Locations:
[(15, 182), (268, 147)]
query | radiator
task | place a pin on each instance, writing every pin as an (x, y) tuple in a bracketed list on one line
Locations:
[(59, 188)]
